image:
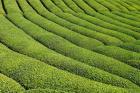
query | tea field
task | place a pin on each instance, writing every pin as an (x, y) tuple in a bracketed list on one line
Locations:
[(69, 46)]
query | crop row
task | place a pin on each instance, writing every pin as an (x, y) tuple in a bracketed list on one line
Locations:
[(91, 26), (102, 17), (57, 49), (33, 74), (66, 7), (64, 47), (113, 30), (8, 85), (106, 39), (46, 90), (115, 5), (119, 53)]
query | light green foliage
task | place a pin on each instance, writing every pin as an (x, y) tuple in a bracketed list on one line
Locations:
[(69, 46), (35, 74), (11, 6), (66, 48), (119, 53), (47, 90), (8, 85), (106, 39), (73, 6), (1, 8)]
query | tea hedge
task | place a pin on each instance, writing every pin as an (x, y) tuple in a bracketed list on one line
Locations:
[(122, 8), (11, 6), (64, 47), (130, 8), (131, 47), (106, 39), (61, 46), (1, 8), (65, 8), (104, 18), (127, 16), (47, 90), (118, 53), (33, 74), (108, 5), (124, 20), (95, 5), (86, 24), (8, 85), (31, 48), (106, 25), (72, 5)]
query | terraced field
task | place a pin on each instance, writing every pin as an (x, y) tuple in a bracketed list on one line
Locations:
[(69, 46)]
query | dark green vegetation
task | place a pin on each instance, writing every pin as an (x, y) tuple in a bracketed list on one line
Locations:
[(69, 46)]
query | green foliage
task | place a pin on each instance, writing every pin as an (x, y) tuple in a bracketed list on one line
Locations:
[(35, 74), (127, 16), (58, 46), (73, 37), (11, 6), (97, 28), (119, 53), (105, 18), (45, 91), (73, 6), (108, 5), (131, 47), (1, 8), (95, 5), (124, 20), (122, 8), (130, 8), (62, 4), (68, 49), (106, 39), (8, 85), (125, 34)]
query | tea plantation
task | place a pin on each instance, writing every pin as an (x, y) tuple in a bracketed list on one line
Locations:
[(69, 46)]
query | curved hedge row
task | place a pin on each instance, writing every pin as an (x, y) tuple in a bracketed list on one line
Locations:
[(91, 26), (8, 85), (104, 24), (127, 16), (118, 53), (131, 47), (64, 47), (105, 18), (135, 1), (122, 8), (1, 8), (65, 8), (124, 20), (108, 5), (31, 48), (130, 8), (47, 90), (106, 39), (97, 28), (137, 42), (11, 6), (74, 37), (137, 7), (72, 5), (35, 74), (130, 27), (95, 5)]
